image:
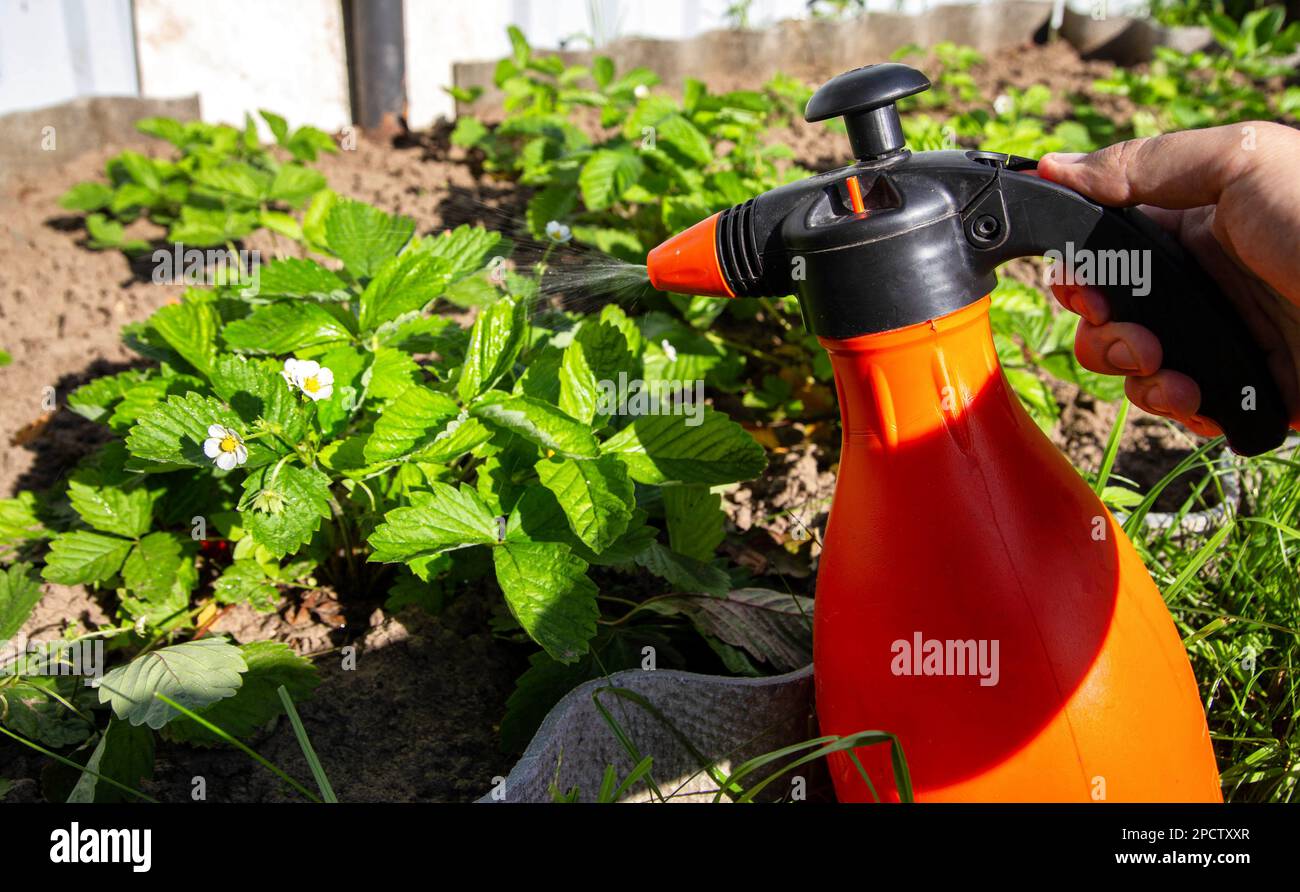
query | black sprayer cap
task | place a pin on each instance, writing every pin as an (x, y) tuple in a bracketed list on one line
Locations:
[(865, 97)]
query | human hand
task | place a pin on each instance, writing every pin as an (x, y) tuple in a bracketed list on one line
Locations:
[(1231, 196)]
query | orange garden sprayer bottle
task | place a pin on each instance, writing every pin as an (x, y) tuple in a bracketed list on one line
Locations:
[(974, 596)]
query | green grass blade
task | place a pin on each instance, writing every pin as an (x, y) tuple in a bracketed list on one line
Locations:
[(308, 752)]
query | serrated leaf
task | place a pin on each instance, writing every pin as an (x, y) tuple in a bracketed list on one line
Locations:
[(462, 250), (684, 137), (660, 449), (537, 422), (18, 521), (159, 575), (350, 366), (283, 513), (82, 557), (194, 674), (597, 497), (393, 372), (190, 328), (299, 277), (498, 334), (270, 665), (173, 432), (548, 592), (244, 581), (141, 399), (125, 754), (20, 591), (578, 390), (95, 399), (775, 627), (695, 520), (32, 712), (256, 390), (285, 327), (409, 422), (293, 184), (89, 196), (606, 174), (237, 179), (402, 285), (120, 508), (457, 437), (443, 519), (686, 574), (364, 237)]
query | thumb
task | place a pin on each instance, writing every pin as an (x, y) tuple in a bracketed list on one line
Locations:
[(1174, 170)]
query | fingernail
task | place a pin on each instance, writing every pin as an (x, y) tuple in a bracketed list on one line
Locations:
[(1121, 356), (1156, 400), (1067, 157)]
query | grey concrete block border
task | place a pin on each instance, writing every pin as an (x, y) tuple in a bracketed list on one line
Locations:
[(79, 126), (726, 720), (807, 48)]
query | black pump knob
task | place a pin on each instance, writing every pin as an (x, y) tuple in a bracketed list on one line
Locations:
[(865, 97)]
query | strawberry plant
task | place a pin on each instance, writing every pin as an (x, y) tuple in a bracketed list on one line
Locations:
[(223, 185), (291, 436)]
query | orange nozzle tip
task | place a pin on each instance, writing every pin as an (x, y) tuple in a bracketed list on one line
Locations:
[(687, 263)]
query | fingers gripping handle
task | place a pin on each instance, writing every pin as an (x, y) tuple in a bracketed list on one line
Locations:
[(1201, 333)]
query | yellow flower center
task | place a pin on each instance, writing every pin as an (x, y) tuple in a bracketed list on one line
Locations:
[(311, 385), (229, 443)]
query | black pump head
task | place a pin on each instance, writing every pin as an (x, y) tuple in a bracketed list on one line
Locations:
[(865, 98)]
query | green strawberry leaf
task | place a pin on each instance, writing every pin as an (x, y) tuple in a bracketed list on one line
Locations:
[(695, 520), (298, 277), (190, 328), (462, 250), (194, 674), (285, 327), (82, 557), (111, 506), (173, 432), (440, 520), (686, 574), (411, 421), (125, 754), (660, 449), (606, 174), (283, 510), (244, 581), (499, 333), (20, 591), (159, 575), (257, 391), (404, 284), (548, 592), (364, 237), (538, 422), (597, 497)]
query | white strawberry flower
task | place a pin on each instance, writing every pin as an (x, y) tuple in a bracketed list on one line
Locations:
[(225, 447), (309, 376), (669, 350), (641, 91), (1004, 104), (558, 232)]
